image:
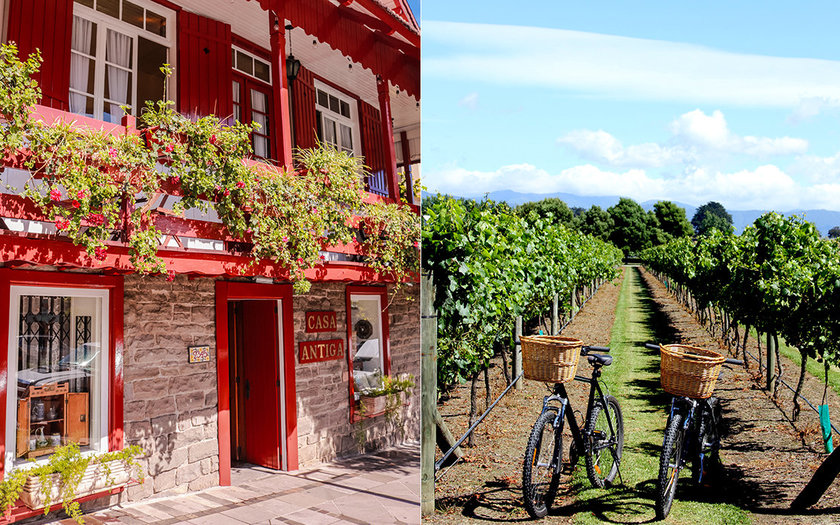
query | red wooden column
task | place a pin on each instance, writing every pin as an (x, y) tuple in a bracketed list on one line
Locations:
[(388, 138), (409, 177), (280, 92)]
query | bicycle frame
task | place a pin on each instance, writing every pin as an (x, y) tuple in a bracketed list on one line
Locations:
[(560, 395), (693, 444)]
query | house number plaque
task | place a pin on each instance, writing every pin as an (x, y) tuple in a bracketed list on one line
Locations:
[(320, 322)]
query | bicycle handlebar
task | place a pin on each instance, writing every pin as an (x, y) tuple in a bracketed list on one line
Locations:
[(651, 347), (586, 349), (734, 362)]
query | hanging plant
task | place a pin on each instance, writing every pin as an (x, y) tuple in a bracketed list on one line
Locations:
[(88, 183)]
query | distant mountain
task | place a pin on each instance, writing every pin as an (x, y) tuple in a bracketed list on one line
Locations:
[(823, 219)]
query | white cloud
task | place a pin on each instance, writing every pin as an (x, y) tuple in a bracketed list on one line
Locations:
[(622, 67), (823, 170), (601, 146), (764, 187), (810, 107), (695, 135), (470, 101)]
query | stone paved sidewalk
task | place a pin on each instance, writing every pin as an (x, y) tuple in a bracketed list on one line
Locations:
[(380, 488)]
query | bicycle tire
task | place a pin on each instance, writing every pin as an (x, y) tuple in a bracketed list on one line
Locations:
[(605, 447), (541, 467), (708, 442), (669, 466)]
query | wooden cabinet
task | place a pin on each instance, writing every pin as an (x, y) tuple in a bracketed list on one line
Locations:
[(51, 409)]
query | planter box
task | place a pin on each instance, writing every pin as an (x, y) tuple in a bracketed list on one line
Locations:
[(370, 406), (95, 479)]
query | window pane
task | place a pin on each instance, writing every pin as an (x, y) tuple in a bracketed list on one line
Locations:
[(150, 80), (334, 104), (244, 63), (345, 109), (81, 73), (88, 3), (237, 113), (132, 13), (262, 120), (259, 101), (109, 7), (59, 367), (117, 85), (260, 146), (84, 36), (81, 104), (155, 23), (261, 71), (118, 49), (236, 92), (113, 112), (366, 323), (329, 132), (346, 137), (323, 99)]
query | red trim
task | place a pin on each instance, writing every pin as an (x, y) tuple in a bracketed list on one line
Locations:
[(282, 127), (114, 285), (390, 153), (167, 3), (382, 292), (396, 25), (226, 291), (247, 45)]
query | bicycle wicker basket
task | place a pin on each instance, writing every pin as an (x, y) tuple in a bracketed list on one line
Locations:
[(550, 358), (689, 370)]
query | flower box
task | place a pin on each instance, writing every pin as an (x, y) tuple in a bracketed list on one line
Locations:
[(370, 406), (98, 477)]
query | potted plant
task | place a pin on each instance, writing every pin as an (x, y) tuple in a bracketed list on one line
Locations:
[(387, 397), (68, 475)]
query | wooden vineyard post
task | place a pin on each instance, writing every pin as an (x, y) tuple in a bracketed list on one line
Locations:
[(428, 396), (771, 363), (555, 314), (573, 304), (517, 352)]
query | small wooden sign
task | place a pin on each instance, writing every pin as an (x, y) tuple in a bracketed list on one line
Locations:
[(321, 322), (199, 354), (314, 351)]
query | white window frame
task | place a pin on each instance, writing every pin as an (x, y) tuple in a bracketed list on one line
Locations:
[(353, 121), (103, 23), (256, 59), (98, 435)]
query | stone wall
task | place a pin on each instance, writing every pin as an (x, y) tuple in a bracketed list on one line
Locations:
[(171, 405), (323, 405)]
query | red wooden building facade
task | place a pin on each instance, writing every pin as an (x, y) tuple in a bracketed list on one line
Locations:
[(208, 370)]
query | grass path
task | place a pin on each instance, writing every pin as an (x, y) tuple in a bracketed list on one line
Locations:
[(634, 379)]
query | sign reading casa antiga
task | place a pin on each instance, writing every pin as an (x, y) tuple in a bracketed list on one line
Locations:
[(320, 322), (313, 351)]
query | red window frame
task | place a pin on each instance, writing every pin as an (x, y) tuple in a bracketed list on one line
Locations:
[(246, 84), (114, 285), (382, 292)]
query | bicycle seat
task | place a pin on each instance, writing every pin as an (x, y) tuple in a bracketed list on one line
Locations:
[(600, 359)]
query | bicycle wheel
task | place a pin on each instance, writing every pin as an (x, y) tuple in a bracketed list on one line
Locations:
[(541, 468), (708, 443), (669, 466), (605, 431)]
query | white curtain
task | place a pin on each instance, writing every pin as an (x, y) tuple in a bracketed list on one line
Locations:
[(80, 65), (259, 105), (118, 51)]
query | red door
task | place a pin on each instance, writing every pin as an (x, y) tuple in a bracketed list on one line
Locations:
[(259, 382)]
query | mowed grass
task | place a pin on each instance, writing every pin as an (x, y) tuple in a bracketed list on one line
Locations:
[(633, 378)]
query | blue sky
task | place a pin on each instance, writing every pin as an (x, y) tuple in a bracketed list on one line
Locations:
[(737, 102)]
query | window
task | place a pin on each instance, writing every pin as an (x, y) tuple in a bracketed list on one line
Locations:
[(337, 119), (367, 338), (58, 359), (117, 50), (251, 98)]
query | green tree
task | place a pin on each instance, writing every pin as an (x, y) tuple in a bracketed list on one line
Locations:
[(711, 216), (630, 226), (834, 233), (595, 222), (551, 209), (672, 220)]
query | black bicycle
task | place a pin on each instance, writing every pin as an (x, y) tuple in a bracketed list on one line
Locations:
[(600, 442), (691, 434)]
